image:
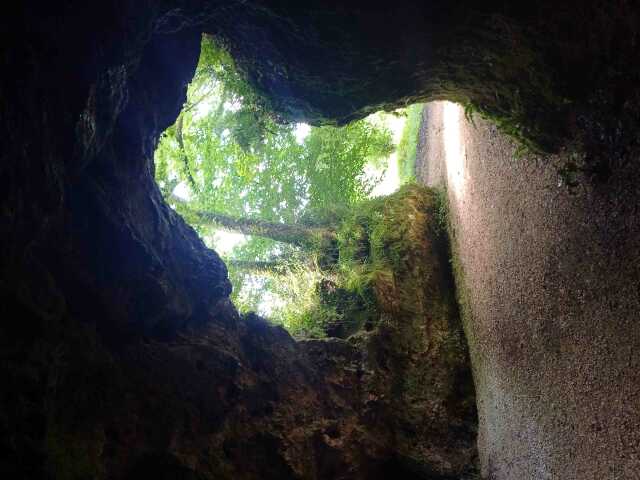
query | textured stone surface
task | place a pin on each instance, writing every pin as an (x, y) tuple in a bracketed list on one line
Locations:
[(551, 279)]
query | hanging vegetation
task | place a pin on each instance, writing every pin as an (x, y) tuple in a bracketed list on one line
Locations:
[(318, 255)]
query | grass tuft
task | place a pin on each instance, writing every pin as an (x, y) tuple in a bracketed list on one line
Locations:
[(382, 247)]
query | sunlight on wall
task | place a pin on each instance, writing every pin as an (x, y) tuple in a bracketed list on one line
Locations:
[(454, 150)]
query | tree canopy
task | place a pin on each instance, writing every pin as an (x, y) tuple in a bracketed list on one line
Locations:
[(229, 163)]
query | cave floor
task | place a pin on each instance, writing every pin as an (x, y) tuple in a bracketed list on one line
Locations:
[(551, 285)]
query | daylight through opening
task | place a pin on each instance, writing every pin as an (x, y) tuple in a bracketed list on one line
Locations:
[(296, 211)]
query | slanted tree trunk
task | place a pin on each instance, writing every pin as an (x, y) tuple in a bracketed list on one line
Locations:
[(185, 159), (299, 235), (281, 232), (275, 267)]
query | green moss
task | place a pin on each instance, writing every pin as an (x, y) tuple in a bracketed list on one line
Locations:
[(462, 292), (378, 244), (414, 340), (495, 70), (387, 263)]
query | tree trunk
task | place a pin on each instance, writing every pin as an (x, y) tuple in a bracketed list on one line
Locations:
[(281, 232), (299, 235), (276, 267)]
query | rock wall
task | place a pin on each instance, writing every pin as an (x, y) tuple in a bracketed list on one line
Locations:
[(122, 356), (549, 283)]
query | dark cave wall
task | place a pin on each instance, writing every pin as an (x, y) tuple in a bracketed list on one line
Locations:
[(92, 260), (552, 75), (121, 355), (80, 197), (528, 66)]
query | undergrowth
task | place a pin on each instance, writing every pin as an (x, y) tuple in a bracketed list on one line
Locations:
[(377, 243), (406, 150)]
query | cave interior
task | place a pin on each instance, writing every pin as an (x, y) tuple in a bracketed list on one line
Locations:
[(122, 356)]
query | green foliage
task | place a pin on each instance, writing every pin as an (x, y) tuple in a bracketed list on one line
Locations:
[(227, 154), (304, 314), (334, 162), (377, 241), (406, 151), (442, 210), (341, 289), (235, 159)]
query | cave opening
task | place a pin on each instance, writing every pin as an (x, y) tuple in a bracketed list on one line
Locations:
[(371, 300), (290, 207)]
